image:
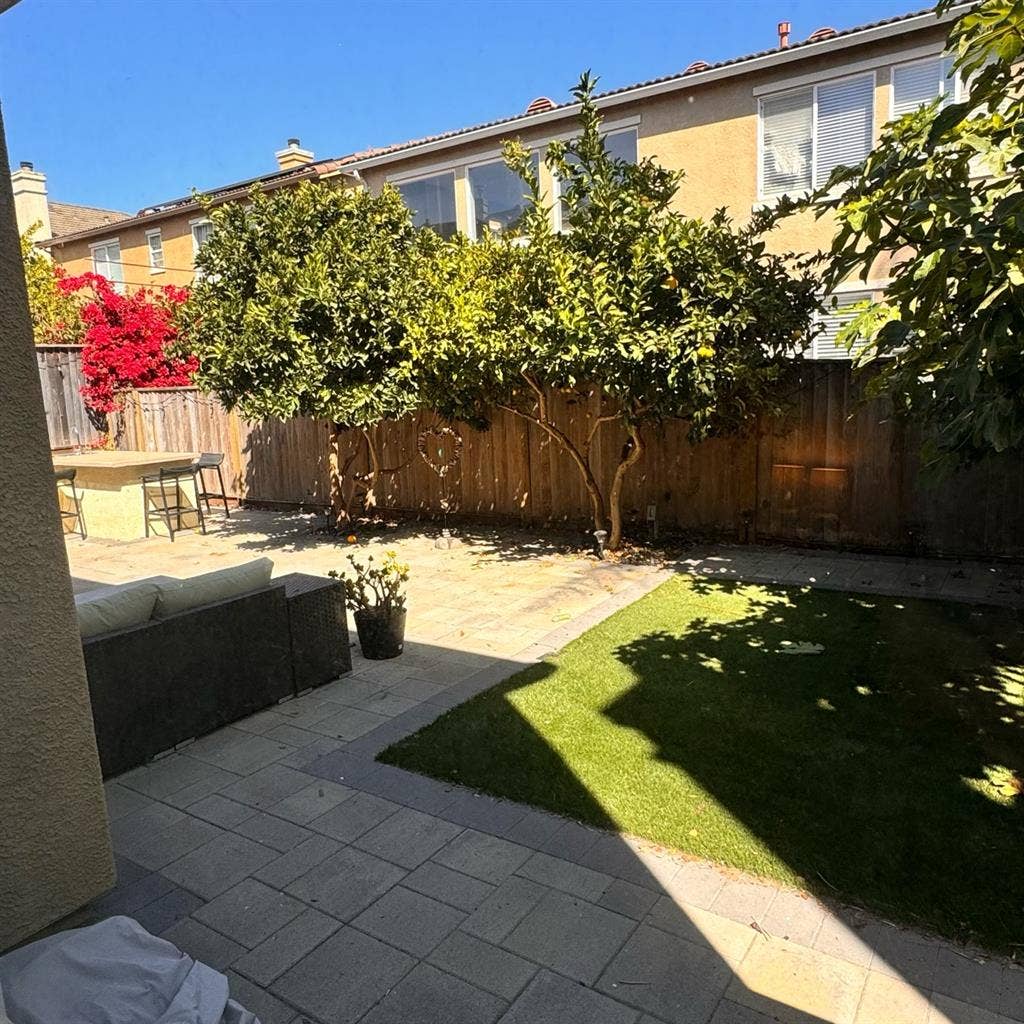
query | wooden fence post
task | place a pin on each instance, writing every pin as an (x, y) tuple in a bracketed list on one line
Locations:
[(140, 422)]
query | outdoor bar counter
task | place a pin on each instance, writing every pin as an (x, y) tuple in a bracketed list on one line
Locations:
[(109, 485)]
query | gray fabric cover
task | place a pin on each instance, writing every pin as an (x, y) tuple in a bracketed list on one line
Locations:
[(113, 972)]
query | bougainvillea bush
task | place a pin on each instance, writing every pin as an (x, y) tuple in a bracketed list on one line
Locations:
[(128, 339)]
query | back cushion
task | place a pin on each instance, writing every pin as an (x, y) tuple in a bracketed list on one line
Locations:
[(116, 608), (176, 596)]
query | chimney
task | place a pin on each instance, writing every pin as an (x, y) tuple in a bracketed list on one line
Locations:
[(784, 30), (30, 203), (293, 156)]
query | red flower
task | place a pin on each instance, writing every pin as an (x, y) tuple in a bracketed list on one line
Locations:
[(126, 340)]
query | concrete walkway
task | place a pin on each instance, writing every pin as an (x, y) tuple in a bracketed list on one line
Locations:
[(331, 888)]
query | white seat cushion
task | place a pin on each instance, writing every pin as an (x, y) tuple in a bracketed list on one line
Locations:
[(175, 596), (113, 608)]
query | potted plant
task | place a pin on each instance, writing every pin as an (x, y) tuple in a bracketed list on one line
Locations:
[(377, 599)]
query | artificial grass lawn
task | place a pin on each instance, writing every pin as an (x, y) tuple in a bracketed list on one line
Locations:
[(882, 770)]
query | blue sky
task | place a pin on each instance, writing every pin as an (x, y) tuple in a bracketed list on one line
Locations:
[(123, 103)]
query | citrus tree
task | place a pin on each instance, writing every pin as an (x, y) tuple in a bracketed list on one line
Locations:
[(941, 199), (55, 312), (653, 314), (301, 307)]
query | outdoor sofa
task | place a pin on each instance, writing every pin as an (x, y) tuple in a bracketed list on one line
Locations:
[(169, 660)]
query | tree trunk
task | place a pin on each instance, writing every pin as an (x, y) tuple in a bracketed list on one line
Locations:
[(339, 503), (631, 458)]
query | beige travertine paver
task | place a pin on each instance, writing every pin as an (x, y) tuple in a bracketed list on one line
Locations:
[(405, 893)]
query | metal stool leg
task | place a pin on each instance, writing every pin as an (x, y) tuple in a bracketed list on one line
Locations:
[(199, 504), (223, 493), (145, 507), (166, 510), (79, 516)]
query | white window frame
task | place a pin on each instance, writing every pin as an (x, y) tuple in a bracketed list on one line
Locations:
[(870, 289), (468, 188), (192, 225), (94, 246), (813, 87), (158, 235), (411, 179), (958, 85)]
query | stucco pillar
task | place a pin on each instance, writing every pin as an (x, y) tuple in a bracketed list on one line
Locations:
[(54, 842)]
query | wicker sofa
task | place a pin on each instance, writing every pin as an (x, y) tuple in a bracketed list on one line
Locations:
[(175, 676)]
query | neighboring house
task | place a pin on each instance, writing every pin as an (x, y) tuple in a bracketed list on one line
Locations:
[(745, 131)]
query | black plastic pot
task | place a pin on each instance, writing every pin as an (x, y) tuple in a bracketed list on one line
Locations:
[(381, 633)]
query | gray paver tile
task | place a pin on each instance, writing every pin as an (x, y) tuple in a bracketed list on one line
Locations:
[(292, 735), (572, 841), (488, 967), (696, 882), (970, 979), (408, 837), (669, 977), (341, 766), (451, 887), (297, 861), (286, 947), (744, 901), (203, 944), (570, 936), (171, 775), (138, 828), (255, 999), (343, 977), (309, 803), (348, 723), (157, 851), (250, 912), (534, 829), (946, 1010), (485, 857), (267, 786), (483, 813), (729, 1012), (162, 913), (274, 832), (626, 898), (351, 818), (303, 756), (563, 874), (131, 896), (795, 917), (409, 920), (505, 908), (122, 801), (221, 811), (551, 999), (429, 996), (236, 751), (840, 936), (417, 791), (220, 864), (346, 883), (900, 953)]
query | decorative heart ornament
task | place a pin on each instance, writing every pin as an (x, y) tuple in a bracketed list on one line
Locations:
[(440, 448)]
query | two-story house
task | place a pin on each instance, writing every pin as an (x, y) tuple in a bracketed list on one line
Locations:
[(745, 131)]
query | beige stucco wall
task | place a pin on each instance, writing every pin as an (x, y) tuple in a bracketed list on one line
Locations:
[(709, 132), (176, 233), (54, 844)]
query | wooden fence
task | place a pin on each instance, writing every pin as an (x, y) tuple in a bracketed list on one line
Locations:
[(67, 419), (834, 471)]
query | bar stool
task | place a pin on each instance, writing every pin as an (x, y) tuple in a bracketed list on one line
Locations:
[(68, 476), (213, 460), (172, 511)]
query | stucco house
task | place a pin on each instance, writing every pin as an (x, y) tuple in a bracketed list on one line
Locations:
[(745, 131)]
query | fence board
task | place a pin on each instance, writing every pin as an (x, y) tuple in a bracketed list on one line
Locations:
[(67, 419)]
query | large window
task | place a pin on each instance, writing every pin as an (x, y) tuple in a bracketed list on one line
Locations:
[(621, 145), (155, 244), (840, 309), (432, 202), (806, 134), (201, 231), (106, 260), (914, 85), (498, 198)]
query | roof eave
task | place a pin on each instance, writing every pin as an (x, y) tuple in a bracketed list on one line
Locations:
[(631, 94)]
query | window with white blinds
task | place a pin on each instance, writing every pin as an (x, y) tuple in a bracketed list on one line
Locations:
[(106, 260), (826, 344), (917, 84), (806, 134)]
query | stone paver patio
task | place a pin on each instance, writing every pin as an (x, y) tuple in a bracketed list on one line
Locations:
[(331, 888)]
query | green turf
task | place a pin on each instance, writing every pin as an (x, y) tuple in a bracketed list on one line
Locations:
[(881, 770)]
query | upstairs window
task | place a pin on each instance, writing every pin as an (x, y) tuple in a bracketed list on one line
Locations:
[(840, 308), (201, 231), (106, 260), (915, 85), (621, 145), (155, 245), (432, 202), (806, 134), (498, 198)]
